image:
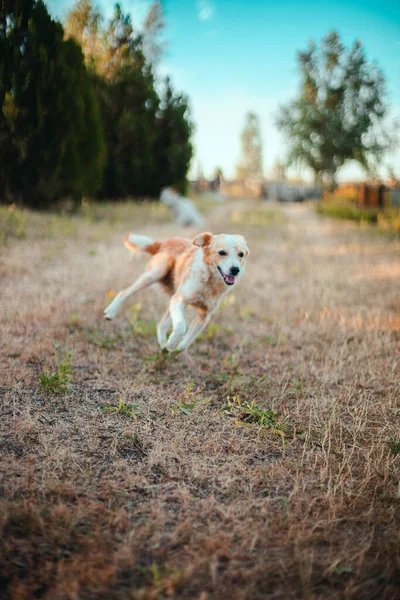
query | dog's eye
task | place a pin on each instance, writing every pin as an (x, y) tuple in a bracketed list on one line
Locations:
[(222, 253), (241, 254)]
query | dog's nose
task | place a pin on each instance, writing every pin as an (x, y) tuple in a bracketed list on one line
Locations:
[(234, 271)]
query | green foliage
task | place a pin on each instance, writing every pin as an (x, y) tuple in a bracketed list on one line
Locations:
[(57, 382), (160, 359), (123, 408), (394, 447), (347, 211), (50, 132), (139, 326), (339, 111), (100, 339), (189, 401), (147, 134), (68, 130), (247, 413), (12, 224), (174, 130)]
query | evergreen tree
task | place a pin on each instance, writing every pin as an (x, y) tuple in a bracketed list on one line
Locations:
[(148, 138), (175, 129), (49, 113)]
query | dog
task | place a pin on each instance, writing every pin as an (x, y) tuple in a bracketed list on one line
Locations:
[(195, 273), (183, 209)]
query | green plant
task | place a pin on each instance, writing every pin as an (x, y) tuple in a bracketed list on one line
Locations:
[(160, 359), (394, 447), (123, 408), (248, 413), (12, 224), (347, 211), (188, 402), (57, 382), (139, 326), (97, 338)]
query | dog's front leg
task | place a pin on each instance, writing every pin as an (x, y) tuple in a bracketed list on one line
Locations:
[(196, 327), (177, 312), (162, 330)]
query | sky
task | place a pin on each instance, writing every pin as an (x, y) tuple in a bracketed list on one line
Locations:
[(232, 56)]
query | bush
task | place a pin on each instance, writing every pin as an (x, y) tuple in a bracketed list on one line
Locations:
[(12, 224), (388, 220), (347, 211)]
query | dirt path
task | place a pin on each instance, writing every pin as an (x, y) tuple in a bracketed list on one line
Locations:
[(267, 467)]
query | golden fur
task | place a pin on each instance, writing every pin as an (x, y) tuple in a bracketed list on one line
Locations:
[(196, 273)]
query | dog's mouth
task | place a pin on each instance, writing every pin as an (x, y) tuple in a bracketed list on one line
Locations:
[(229, 279)]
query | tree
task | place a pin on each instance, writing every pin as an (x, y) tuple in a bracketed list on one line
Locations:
[(175, 129), (148, 136), (153, 28), (251, 162), (129, 105), (84, 24), (339, 111), (50, 131)]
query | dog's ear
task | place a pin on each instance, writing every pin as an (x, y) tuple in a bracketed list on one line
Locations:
[(246, 250), (244, 247), (203, 239)]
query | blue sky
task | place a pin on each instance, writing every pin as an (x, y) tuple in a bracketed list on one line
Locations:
[(231, 56)]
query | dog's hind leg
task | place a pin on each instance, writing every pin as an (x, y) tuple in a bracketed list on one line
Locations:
[(162, 330), (157, 272)]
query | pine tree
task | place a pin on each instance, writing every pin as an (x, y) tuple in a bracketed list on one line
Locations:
[(147, 137), (175, 129), (50, 114)]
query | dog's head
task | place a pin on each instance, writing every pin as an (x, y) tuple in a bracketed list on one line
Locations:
[(168, 196), (224, 253)]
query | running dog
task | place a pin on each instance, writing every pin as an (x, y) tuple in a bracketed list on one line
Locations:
[(197, 273), (183, 209)]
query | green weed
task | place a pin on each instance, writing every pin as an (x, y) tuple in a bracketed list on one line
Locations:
[(97, 338), (394, 447), (140, 327), (387, 220), (12, 224), (123, 408), (74, 320), (347, 211), (57, 382), (248, 413), (160, 359), (188, 403)]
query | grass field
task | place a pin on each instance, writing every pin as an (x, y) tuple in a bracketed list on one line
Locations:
[(265, 466)]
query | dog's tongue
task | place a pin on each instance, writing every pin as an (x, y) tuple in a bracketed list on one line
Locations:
[(230, 279)]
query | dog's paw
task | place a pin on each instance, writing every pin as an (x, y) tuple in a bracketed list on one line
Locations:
[(175, 338), (181, 347), (162, 342), (173, 342), (108, 314)]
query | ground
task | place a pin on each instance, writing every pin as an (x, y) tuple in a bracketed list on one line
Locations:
[(265, 465)]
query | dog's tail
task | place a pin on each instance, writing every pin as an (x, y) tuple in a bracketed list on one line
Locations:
[(141, 243)]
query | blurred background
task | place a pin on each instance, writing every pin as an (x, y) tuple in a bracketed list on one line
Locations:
[(274, 100)]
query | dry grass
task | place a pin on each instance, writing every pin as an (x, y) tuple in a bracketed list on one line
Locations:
[(268, 467)]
